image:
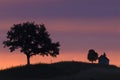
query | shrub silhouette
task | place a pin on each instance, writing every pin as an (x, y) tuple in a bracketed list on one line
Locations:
[(31, 39), (92, 55)]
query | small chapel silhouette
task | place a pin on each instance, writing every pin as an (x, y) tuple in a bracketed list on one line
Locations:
[(103, 60)]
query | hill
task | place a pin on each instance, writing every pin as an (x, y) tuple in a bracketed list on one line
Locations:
[(68, 70)]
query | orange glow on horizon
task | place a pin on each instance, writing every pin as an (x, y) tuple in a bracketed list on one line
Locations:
[(11, 60)]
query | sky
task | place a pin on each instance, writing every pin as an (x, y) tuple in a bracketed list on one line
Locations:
[(79, 25)]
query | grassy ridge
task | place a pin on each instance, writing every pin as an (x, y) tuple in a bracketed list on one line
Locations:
[(63, 70)]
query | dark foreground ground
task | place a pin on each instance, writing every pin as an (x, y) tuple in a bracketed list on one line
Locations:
[(62, 71)]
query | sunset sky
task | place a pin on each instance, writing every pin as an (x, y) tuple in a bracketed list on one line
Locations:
[(79, 25)]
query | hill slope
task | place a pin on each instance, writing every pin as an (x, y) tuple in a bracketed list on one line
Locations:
[(62, 71)]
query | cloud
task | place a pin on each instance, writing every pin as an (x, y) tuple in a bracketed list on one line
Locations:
[(57, 9)]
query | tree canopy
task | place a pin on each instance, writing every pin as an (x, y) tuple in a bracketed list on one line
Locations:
[(92, 55), (31, 39)]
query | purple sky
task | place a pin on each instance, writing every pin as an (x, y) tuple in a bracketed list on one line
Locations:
[(79, 25)]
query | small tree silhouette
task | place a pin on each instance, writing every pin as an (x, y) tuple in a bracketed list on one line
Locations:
[(31, 39), (92, 55)]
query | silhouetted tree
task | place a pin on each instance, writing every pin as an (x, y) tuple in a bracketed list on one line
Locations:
[(31, 39), (92, 55)]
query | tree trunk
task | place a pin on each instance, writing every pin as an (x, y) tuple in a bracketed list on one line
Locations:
[(28, 59)]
